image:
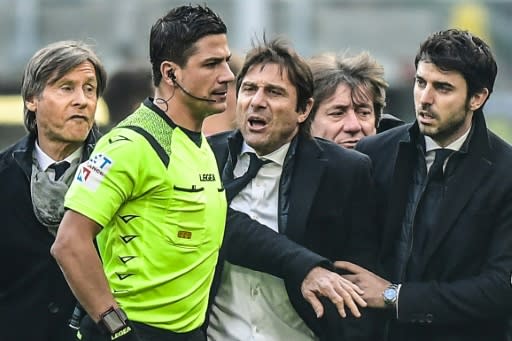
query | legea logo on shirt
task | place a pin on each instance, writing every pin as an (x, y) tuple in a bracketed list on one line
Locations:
[(92, 172)]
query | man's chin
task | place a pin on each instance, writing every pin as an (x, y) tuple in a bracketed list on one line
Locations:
[(428, 130)]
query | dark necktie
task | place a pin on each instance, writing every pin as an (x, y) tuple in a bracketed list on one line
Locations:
[(436, 170), (234, 186), (427, 214), (59, 168)]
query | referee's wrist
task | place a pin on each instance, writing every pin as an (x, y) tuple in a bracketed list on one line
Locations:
[(113, 320)]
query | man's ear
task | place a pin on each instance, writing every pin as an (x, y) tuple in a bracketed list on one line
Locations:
[(168, 70), (31, 104), (304, 115), (478, 99)]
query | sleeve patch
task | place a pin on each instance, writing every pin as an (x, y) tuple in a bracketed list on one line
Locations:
[(92, 172)]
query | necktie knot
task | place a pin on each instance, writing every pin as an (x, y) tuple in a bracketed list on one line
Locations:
[(436, 170), (236, 185), (59, 168), (255, 164)]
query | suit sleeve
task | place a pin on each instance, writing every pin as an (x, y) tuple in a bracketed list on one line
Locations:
[(481, 297), (364, 242), (253, 245), (363, 249)]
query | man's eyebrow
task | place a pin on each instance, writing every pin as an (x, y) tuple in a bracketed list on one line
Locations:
[(275, 87), (441, 83)]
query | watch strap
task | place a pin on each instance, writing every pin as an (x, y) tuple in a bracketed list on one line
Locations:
[(113, 320)]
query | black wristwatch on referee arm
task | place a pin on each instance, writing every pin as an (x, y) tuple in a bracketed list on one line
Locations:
[(114, 322)]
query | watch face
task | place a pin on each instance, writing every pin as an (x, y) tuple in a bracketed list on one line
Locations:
[(390, 294), (114, 320)]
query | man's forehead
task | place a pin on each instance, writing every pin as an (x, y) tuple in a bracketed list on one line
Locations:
[(86, 67), (268, 73), (212, 44)]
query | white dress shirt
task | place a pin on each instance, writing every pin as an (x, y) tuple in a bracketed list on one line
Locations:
[(431, 146), (251, 305)]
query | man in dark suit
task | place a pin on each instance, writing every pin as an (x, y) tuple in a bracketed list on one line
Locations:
[(447, 237), (313, 191), (61, 86)]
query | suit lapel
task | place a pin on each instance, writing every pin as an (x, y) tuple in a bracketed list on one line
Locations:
[(460, 188), (308, 170), (469, 173), (398, 193)]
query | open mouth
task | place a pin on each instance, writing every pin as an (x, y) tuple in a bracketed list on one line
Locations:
[(220, 92), (426, 114), (256, 122)]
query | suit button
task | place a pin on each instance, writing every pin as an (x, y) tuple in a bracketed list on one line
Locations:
[(53, 308), (429, 318)]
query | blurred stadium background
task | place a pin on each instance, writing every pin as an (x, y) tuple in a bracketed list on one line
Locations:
[(391, 30)]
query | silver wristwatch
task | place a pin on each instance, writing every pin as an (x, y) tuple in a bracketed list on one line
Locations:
[(390, 295)]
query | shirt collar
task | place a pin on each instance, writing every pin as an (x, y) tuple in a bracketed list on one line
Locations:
[(45, 161), (431, 145), (276, 156)]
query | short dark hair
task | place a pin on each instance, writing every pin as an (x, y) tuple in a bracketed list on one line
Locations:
[(174, 35), (461, 51), (361, 73), (50, 64), (279, 51)]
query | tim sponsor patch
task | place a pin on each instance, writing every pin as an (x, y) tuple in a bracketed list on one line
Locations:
[(92, 172)]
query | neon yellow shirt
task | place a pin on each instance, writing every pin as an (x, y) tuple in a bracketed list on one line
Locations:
[(163, 216)]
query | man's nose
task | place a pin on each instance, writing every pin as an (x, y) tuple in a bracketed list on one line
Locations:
[(259, 98), (351, 123)]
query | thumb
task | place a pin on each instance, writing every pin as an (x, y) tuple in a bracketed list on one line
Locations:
[(350, 267)]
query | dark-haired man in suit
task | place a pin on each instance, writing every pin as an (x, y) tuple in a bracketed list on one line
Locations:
[(445, 199), (311, 190)]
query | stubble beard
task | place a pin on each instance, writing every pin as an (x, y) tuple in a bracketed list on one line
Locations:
[(447, 132)]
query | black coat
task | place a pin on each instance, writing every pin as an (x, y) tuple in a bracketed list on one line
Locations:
[(35, 300), (464, 292), (330, 212)]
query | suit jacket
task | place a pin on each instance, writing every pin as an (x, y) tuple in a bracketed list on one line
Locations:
[(329, 210), (464, 292), (35, 300), (388, 121)]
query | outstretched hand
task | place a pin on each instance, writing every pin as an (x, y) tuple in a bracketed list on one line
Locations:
[(341, 292)]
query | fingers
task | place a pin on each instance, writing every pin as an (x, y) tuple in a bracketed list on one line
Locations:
[(354, 291), (351, 296), (340, 291), (317, 306), (350, 267), (354, 279), (343, 294), (351, 282)]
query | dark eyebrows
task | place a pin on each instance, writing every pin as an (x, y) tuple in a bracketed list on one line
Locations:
[(436, 84), (216, 59), (445, 85), (276, 87), (341, 107)]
